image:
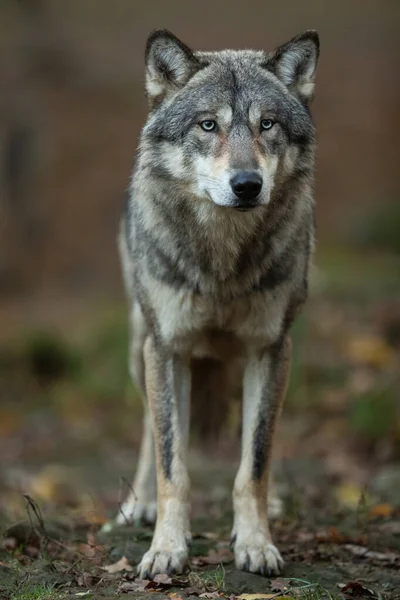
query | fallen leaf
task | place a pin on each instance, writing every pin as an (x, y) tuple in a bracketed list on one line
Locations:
[(355, 588), (193, 591), (381, 510), (209, 595), (9, 543), (163, 579), (214, 557), (279, 585), (139, 585), (332, 536), (120, 565), (371, 554), (86, 549), (2, 564)]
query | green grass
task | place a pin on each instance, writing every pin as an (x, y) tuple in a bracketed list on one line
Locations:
[(37, 591), (213, 580), (302, 589), (374, 414)]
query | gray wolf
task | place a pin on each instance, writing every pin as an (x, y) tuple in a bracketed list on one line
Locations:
[(215, 243)]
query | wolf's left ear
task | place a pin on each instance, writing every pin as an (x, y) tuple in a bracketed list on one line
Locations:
[(295, 63), (169, 65)]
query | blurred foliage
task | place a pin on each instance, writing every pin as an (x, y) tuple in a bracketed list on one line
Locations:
[(378, 228), (49, 358), (374, 415)]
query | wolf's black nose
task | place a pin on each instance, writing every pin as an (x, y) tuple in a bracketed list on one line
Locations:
[(246, 185)]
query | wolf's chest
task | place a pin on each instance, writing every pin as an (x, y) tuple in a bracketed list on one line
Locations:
[(203, 325)]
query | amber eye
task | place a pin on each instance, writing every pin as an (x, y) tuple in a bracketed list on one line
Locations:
[(208, 125), (267, 124)]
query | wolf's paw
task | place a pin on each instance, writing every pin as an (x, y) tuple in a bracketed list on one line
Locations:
[(159, 560), (257, 555), (137, 513)]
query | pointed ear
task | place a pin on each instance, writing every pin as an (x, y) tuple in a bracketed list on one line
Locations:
[(169, 65), (295, 63)]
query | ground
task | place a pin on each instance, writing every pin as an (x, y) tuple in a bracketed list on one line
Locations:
[(70, 425)]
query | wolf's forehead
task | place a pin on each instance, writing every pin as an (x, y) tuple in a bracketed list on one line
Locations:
[(229, 85)]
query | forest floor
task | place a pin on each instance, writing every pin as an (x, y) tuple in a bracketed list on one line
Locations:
[(68, 450)]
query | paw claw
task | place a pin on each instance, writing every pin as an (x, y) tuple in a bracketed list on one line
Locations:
[(258, 556), (157, 561)]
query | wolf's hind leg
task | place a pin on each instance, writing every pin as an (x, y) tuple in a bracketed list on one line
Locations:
[(274, 503), (141, 504)]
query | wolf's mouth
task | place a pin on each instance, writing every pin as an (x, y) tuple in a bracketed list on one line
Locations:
[(245, 207)]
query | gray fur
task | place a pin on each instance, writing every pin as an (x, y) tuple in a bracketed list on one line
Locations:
[(205, 279)]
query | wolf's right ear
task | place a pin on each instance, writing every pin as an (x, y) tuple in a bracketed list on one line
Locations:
[(169, 65)]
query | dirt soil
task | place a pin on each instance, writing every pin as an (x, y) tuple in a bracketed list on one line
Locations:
[(325, 546)]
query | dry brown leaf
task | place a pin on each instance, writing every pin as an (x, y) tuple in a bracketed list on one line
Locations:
[(121, 565), (355, 588), (214, 557), (193, 591), (163, 579), (9, 543), (391, 557), (381, 510), (86, 549), (209, 595), (139, 585), (279, 585), (332, 536)]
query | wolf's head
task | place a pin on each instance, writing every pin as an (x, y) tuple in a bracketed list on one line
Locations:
[(230, 127)]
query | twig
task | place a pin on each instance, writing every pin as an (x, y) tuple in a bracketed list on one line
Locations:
[(31, 504)]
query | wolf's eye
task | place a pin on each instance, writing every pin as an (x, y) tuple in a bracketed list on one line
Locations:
[(208, 125), (267, 124)]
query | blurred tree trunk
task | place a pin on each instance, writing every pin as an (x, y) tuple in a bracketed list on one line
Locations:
[(39, 57)]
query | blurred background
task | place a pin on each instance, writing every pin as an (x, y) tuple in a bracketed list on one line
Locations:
[(71, 108)]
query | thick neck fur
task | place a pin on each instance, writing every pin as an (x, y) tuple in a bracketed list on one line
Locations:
[(211, 249)]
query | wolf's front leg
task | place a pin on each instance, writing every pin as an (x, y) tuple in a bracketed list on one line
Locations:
[(263, 391), (167, 377)]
